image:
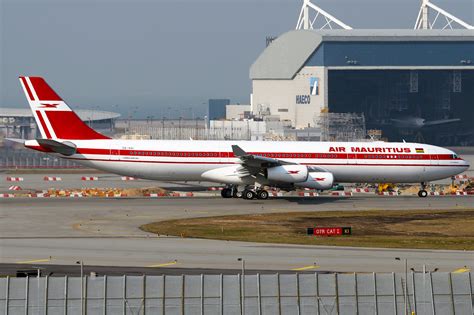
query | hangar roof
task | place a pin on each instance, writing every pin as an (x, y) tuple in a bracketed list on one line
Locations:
[(84, 114), (285, 56)]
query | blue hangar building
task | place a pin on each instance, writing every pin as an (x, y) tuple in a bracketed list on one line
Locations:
[(413, 85)]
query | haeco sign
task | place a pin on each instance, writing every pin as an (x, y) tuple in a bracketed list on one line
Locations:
[(303, 99)]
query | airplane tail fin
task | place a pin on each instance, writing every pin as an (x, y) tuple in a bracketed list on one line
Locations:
[(53, 116)]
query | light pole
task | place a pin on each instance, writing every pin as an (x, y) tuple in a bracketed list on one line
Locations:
[(81, 263), (242, 310), (405, 293)]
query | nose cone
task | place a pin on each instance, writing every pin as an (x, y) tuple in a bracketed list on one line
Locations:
[(465, 165)]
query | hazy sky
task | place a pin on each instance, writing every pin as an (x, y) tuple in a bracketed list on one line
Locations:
[(115, 55)]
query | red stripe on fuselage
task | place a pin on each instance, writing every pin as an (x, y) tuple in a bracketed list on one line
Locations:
[(233, 163), (43, 124), (276, 155), (30, 95)]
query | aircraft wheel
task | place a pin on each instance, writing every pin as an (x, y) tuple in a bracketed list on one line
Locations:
[(248, 194), (226, 193), (262, 194), (422, 193)]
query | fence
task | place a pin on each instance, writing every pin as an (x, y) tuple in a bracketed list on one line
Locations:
[(25, 158), (421, 293)]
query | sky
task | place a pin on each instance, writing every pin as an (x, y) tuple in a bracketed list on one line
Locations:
[(162, 57)]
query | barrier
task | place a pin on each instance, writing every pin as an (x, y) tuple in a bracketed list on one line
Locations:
[(361, 190), (52, 179), (341, 193), (14, 179), (128, 178), (39, 195), (155, 195), (295, 293), (307, 194), (214, 188), (388, 193), (121, 195), (88, 178), (75, 195), (179, 194), (7, 195), (14, 188)]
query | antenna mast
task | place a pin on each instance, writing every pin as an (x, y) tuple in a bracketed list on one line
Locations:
[(308, 22)]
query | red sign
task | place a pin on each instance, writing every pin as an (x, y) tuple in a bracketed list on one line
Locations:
[(329, 231)]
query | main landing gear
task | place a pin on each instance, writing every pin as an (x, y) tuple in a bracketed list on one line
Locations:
[(247, 194), (423, 193)]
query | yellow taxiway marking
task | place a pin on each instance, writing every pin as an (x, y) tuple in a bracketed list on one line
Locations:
[(34, 261), (305, 268), (163, 265), (461, 270)]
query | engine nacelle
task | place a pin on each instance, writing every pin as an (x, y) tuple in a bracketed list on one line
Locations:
[(228, 175), (288, 173), (318, 180)]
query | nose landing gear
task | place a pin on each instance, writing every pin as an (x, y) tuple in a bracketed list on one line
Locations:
[(423, 193)]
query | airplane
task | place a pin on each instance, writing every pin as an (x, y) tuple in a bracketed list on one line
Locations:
[(247, 168), (418, 122)]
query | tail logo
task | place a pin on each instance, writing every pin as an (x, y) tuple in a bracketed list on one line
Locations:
[(49, 105), (54, 118)]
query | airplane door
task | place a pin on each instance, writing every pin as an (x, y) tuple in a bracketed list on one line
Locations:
[(114, 154)]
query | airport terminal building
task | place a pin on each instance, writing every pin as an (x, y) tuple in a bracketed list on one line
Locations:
[(413, 85)]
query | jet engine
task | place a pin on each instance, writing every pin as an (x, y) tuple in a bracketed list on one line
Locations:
[(317, 180), (288, 173), (234, 174)]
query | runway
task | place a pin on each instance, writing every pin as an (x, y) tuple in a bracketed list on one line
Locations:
[(105, 232)]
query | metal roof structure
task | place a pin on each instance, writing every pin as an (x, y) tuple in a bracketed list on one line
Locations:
[(84, 114), (286, 55)]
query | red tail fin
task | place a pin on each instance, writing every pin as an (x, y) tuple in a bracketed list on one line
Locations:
[(54, 118)]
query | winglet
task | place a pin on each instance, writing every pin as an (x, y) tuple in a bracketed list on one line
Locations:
[(238, 151)]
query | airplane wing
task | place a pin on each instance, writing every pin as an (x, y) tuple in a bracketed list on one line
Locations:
[(253, 164), (440, 122)]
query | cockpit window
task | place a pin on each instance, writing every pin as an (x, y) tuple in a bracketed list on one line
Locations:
[(455, 156)]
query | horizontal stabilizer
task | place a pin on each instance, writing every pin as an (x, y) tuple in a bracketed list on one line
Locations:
[(22, 141), (64, 148)]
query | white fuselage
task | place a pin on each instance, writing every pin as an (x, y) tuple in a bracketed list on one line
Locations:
[(187, 160)]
